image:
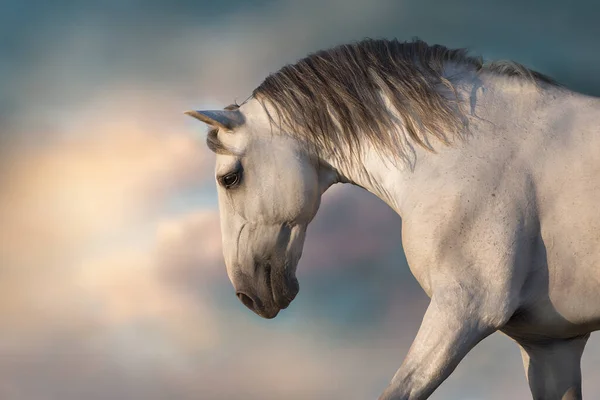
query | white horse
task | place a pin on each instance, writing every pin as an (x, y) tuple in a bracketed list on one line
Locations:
[(494, 170)]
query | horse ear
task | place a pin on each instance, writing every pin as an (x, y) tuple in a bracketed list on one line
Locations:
[(225, 119)]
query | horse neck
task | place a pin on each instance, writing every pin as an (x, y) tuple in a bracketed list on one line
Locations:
[(373, 172), (489, 100)]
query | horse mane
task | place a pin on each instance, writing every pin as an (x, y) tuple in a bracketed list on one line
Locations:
[(334, 97)]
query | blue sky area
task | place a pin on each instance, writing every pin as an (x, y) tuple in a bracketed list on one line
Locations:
[(113, 282)]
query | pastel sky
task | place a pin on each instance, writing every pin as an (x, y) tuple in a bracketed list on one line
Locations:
[(112, 284)]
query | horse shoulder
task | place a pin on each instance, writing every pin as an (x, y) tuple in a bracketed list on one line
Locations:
[(475, 240)]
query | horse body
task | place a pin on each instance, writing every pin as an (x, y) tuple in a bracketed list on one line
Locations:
[(503, 229), (569, 188), (500, 228), (527, 188)]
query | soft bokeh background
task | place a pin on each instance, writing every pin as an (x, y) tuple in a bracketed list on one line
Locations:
[(111, 279)]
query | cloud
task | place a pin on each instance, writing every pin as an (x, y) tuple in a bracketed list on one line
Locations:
[(351, 225), (113, 284), (189, 248), (109, 167), (83, 201)]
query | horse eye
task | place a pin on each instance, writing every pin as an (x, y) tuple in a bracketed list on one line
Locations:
[(230, 179)]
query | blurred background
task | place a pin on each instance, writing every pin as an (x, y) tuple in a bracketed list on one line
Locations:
[(112, 284)]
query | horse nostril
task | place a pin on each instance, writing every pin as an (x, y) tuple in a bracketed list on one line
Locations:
[(246, 300)]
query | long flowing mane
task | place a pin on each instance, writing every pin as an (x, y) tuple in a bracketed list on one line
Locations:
[(334, 97)]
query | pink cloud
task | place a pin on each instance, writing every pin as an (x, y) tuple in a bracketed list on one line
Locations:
[(82, 206), (117, 173), (93, 298), (351, 225), (189, 248)]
